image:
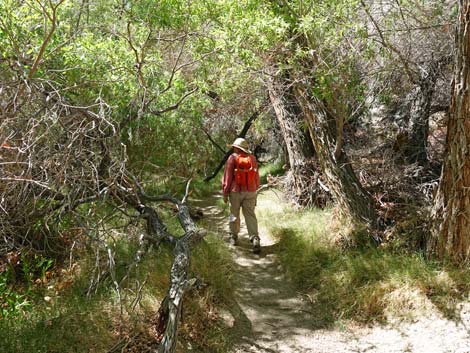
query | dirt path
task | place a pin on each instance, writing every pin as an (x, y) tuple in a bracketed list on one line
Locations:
[(268, 315)]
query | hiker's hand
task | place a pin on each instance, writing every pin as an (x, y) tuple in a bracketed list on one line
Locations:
[(226, 198)]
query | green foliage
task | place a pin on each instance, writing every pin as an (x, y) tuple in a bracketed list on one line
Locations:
[(273, 169), (202, 189), (18, 285), (142, 58), (12, 302), (34, 267)]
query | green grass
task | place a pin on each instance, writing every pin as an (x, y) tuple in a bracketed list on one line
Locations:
[(203, 189), (73, 322), (365, 284), (213, 263), (273, 169)]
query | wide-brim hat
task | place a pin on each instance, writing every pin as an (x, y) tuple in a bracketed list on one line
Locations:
[(242, 144)]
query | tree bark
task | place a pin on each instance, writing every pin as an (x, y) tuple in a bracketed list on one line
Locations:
[(302, 178), (169, 313), (419, 112), (354, 200), (450, 236)]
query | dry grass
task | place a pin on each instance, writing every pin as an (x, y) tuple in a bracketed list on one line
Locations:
[(364, 284)]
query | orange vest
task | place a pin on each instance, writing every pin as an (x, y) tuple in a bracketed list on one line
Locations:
[(245, 171)]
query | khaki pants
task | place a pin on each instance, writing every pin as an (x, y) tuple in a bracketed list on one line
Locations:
[(247, 201)]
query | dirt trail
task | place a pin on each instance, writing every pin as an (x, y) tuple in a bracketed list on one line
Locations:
[(268, 315)]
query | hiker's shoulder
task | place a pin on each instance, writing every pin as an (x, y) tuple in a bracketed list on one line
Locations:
[(232, 159)]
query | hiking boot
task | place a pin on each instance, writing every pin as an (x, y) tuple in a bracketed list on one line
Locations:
[(233, 239), (256, 244)]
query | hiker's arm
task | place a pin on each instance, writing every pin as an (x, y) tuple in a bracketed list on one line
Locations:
[(257, 172), (228, 177)]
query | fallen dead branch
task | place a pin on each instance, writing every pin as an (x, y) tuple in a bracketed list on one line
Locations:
[(169, 313), (61, 165)]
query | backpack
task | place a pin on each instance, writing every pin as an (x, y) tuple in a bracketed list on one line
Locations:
[(245, 171)]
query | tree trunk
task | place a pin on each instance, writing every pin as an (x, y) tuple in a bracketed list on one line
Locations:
[(302, 177), (415, 150), (354, 201), (419, 111), (451, 213)]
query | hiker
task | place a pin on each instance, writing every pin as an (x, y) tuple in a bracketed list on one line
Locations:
[(239, 185)]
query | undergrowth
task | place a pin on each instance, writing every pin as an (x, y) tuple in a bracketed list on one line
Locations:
[(272, 169), (365, 284), (67, 313)]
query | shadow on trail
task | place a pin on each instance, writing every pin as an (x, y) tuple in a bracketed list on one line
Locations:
[(267, 314)]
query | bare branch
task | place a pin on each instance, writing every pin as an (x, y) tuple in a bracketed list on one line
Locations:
[(53, 19), (243, 133), (386, 44), (176, 105), (212, 141)]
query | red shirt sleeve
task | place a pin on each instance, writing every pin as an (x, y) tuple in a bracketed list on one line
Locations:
[(257, 180), (228, 175)]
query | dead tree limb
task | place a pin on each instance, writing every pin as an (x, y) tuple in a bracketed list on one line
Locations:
[(216, 145), (219, 166), (243, 133), (169, 313)]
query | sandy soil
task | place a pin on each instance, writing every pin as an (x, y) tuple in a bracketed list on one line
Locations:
[(268, 315)]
